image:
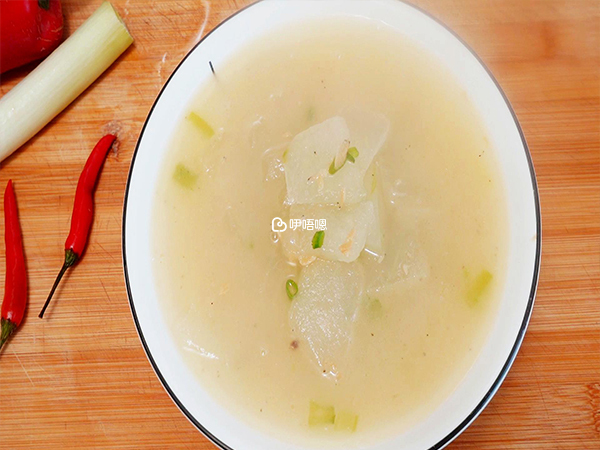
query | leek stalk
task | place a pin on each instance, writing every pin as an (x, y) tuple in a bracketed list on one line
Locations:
[(61, 77)]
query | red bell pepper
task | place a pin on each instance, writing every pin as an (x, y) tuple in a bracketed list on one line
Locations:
[(29, 30)]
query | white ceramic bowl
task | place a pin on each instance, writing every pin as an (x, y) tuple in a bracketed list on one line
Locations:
[(491, 367)]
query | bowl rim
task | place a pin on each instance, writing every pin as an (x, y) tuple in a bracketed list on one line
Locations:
[(536, 269)]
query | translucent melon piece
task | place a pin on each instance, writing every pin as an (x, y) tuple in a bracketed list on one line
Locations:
[(412, 264), (272, 163), (374, 242), (311, 153), (307, 162), (323, 313), (368, 132), (406, 262), (347, 231)]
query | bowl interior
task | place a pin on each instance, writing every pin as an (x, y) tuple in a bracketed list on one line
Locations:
[(484, 378)]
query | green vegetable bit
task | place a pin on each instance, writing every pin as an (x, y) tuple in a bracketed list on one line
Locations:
[(318, 238), (374, 308), (332, 169), (185, 177), (201, 124), (351, 156), (310, 114), (284, 156), (479, 286), (320, 415), (345, 421), (291, 288)]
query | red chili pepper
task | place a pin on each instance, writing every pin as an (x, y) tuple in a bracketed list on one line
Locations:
[(83, 210), (15, 285), (29, 30)]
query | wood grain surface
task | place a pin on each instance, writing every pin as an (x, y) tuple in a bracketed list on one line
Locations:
[(80, 379)]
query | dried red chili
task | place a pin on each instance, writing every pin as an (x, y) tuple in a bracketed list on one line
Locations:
[(83, 210), (15, 285)]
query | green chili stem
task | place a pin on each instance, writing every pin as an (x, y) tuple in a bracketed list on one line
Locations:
[(70, 259)]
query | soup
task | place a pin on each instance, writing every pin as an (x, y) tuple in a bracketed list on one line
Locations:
[(366, 312)]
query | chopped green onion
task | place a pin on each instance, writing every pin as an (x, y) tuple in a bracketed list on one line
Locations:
[(345, 421), (332, 168), (351, 156), (478, 287), (185, 177), (310, 115), (319, 415), (201, 124), (317, 241), (284, 156), (291, 288)]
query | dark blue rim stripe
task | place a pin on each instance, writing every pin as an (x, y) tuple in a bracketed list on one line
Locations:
[(521, 334)]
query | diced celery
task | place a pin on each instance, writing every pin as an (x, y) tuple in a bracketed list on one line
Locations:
[(345, 421), (374, 308), (201, 125), (478, 287), (185, 177), (320, 415)]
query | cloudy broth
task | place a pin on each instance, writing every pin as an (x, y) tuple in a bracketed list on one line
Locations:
[(221, 274)]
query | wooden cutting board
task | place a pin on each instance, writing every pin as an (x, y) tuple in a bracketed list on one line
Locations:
[(80, 378)]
